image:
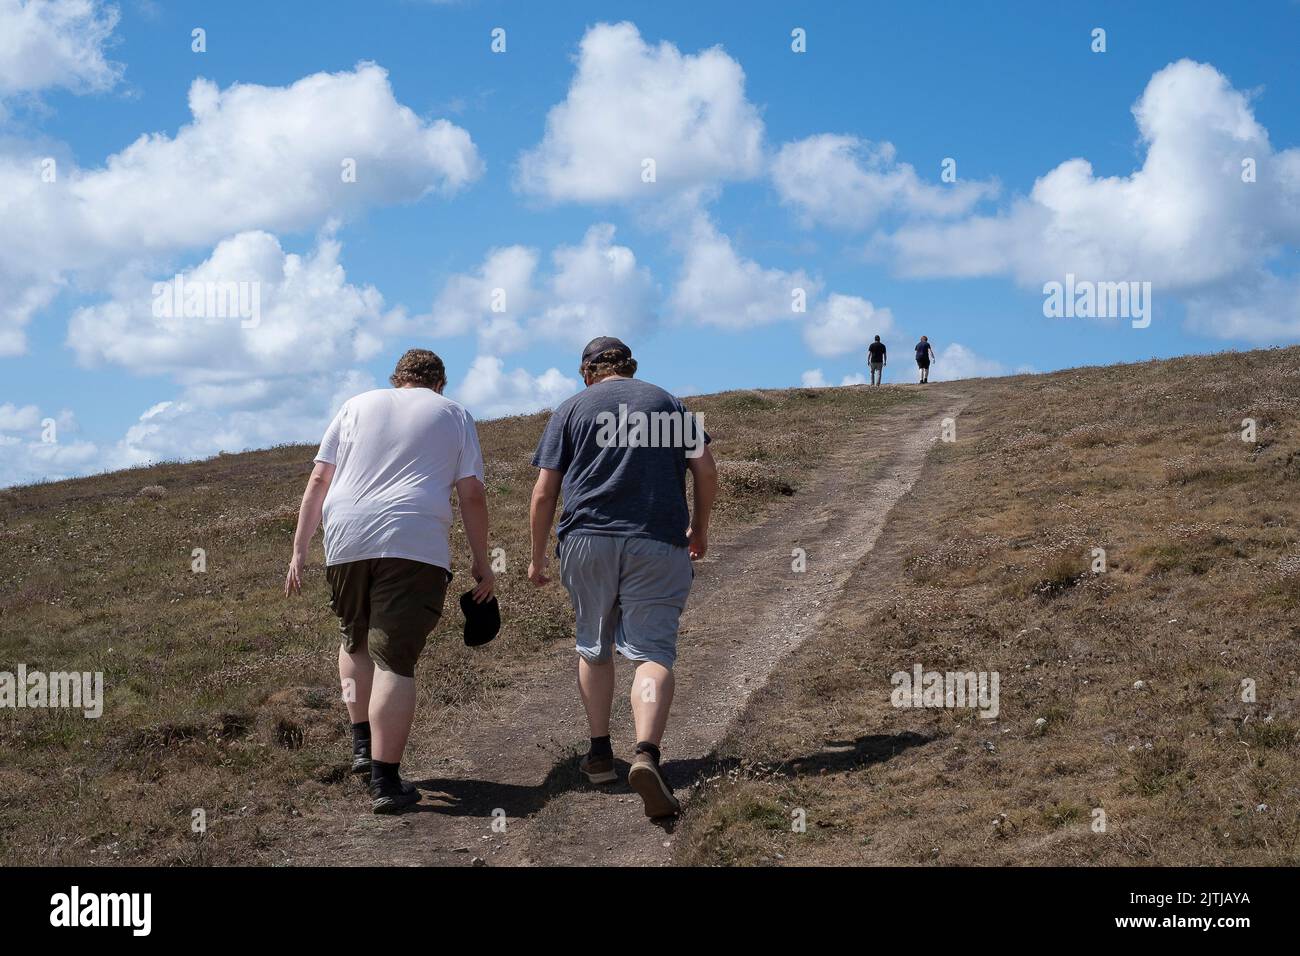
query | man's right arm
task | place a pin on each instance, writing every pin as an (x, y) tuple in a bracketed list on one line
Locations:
[(309, 517), (541, 515)]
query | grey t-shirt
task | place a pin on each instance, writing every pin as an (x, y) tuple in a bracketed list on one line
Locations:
[(622, 446)]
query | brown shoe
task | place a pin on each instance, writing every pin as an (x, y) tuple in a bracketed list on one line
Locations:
[(646, 779), (598, 769)]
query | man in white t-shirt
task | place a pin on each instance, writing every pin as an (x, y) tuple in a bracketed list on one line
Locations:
[(382, 484)]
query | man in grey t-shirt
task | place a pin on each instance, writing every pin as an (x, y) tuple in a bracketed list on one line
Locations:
[(619, 452)]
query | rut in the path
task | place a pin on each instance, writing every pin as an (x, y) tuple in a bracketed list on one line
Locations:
[(747, 610)]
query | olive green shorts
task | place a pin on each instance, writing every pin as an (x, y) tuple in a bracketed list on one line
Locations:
[(388, 606)]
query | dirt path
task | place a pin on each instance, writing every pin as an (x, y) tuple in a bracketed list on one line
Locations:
[(513, 794)]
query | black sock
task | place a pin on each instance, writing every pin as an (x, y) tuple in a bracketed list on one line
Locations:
[(601, 747), (361, 736), (385, 773), (645, 747)]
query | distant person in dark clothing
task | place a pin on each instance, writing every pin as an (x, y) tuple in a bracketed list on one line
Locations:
[(876, 361), (924, 356)]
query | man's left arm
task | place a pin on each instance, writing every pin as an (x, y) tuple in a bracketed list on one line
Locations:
[(704, 477), (474, 515)]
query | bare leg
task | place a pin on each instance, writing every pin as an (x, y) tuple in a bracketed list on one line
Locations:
[(392, 708), (652, 695), (356, 675), (596, 685)]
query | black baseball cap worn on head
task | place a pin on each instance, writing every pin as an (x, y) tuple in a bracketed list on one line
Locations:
[(604, 343), (482, 621)]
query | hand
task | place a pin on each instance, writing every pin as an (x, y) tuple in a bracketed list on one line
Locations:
[(487, 581), (697, 542), (537, 573), (293, 579)]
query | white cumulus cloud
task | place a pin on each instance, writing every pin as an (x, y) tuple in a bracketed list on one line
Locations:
[(844, 324), (849, 183), (244, 380), (200, 422), (56, 44), (15, 418), (956, 361), (596, 287), (35, 446), (721, 288), (308, 317), (630, 101), (1188, 220), (252, 158), (816, 378), (489, 391), (489, 299)]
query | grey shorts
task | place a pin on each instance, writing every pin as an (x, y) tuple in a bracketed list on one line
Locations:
[(628, 594)]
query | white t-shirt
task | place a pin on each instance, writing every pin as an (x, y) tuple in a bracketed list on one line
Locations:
[(397, 453)]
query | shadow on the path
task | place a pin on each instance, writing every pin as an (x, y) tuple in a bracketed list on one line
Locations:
[(836, 756), (481, 798)]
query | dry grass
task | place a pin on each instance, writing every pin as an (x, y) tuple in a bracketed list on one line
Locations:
[(987, 566), (220, 694)]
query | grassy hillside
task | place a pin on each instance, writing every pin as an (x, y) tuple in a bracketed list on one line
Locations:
[(221, 694), (1120, 691)]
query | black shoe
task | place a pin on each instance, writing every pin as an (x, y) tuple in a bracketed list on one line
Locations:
[(390, 799), (361, 762)]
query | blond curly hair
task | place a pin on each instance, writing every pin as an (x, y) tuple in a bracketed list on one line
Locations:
[(420, 368)]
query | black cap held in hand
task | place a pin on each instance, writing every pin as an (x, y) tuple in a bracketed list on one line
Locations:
[(482, 621), (604, 343)]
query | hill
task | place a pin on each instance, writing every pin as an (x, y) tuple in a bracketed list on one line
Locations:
[(1119, 690)]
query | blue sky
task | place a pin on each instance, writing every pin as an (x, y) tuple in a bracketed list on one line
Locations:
[(1010, 91)]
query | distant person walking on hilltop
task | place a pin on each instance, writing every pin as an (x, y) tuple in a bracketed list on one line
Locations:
[(876, 361), (924, 356), (619, 452), (382, 483)]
